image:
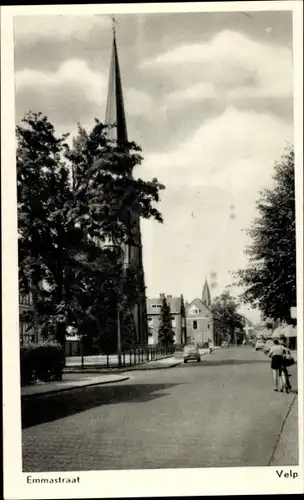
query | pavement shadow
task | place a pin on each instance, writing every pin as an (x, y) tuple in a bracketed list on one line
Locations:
[(45, 408)]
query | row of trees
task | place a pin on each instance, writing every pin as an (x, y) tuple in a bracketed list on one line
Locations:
[(269, 281), (72, 200)]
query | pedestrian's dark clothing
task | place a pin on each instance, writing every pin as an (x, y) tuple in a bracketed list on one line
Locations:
[(284, 367), (285, 371), (277, 362)]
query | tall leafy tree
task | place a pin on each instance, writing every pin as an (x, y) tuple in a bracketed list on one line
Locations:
[(165, 330), (270, 278), (228, 323), (70, 202)]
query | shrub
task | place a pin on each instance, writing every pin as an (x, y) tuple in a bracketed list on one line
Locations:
[(26, 363), (43, 361)]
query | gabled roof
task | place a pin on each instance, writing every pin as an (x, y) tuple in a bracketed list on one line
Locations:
[(174, 303), (199, 304)]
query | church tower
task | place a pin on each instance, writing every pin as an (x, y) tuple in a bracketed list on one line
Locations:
[(115, 115), (206, 295)]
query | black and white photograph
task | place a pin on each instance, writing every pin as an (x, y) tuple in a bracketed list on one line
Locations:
[(154, 188)]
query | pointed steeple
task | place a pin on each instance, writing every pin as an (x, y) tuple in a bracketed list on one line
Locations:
[(115, 115), (115, 111), (206, 296)]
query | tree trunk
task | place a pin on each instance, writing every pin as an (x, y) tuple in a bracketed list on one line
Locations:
[(60, 335)]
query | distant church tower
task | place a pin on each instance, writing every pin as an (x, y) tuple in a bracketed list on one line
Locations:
[(115, 115), (206, 296)]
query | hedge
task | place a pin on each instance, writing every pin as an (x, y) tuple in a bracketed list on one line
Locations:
[(43, 361)]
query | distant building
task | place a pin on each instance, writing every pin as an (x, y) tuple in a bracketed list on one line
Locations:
[(199, 319), (177, 310)]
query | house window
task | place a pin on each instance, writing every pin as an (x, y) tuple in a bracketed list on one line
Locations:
[(24, 299), (194, 325), (194, 310), (26, 335)]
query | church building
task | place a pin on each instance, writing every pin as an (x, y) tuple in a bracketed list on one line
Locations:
[(132, 253), (199, 319)]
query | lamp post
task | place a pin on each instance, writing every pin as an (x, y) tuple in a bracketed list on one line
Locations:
[(119, 255)]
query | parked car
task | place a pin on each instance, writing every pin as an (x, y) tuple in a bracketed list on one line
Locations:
[(224, 343), (267, 346), (259, 344), (191, 352)]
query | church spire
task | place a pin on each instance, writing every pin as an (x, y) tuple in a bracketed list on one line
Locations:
[(115, 111), (206, 296), (115, 115)]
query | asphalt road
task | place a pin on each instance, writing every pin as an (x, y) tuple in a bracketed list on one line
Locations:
[(221, 412)]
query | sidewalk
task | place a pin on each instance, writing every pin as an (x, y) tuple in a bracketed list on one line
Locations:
[(69, 382), (287, 451), (158, 364)]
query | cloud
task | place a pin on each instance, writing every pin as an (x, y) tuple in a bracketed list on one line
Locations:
[(226, 161), (197, 92), (139, 103), (229, 67), (219, 148), (73, 93), (31, 29)]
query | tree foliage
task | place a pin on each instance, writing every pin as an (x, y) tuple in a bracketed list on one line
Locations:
[(165, 330), (270, 278), (228, 323), (71, 200)]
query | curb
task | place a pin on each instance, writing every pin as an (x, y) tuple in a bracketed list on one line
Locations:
[(282, 430), (63, 389), (123, 370)]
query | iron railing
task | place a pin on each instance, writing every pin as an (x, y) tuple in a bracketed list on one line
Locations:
[(129, 358)]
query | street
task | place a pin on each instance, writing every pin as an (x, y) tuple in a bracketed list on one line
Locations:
[(221, 412)]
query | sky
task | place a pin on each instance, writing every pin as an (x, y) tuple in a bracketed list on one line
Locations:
[(208, 97)]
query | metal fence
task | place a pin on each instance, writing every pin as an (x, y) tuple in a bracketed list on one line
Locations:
[(128, 358)]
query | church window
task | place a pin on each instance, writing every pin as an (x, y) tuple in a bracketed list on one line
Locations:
[(194, 325), (208, 325)]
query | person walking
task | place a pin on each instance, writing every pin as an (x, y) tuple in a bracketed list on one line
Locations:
[(276, 354), (285, 372)]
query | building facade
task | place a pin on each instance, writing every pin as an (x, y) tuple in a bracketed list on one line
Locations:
[(199, 319), (178, 314)]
